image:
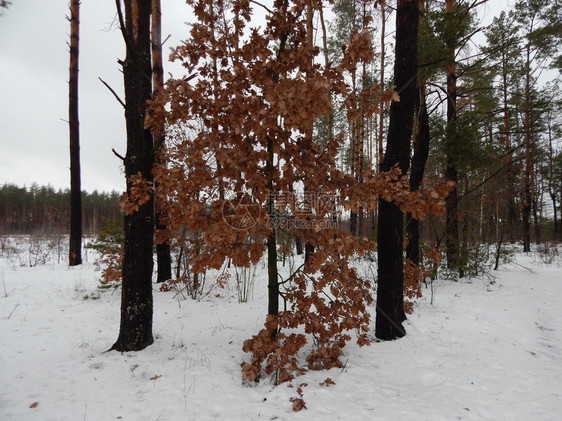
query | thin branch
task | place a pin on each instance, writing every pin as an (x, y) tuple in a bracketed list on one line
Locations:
[(12, 312), (259, 4), (438, 87), (112, 91), (117, 154), (122, 24)]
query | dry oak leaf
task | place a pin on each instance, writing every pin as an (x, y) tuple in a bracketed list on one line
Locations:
[(327, 382), (34, 405), (298, 404)]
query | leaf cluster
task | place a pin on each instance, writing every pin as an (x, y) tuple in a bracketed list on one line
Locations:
[(240, 131)]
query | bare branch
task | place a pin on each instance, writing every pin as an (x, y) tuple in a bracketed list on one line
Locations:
[(112, 91), (117, 154), (259, 4)]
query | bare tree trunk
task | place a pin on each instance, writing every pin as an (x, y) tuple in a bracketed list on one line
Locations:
[(390, 296), (527, 197), (163, 255), (75, 251), (511, 212), (135, 331), (551, 188), (451, 201), (421, 153), (381, 81)]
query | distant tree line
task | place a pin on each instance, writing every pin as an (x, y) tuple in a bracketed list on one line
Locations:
[(42, 209)]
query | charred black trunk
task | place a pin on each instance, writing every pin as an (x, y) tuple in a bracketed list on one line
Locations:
[(390, 298), (75, 251), (163, 253), (135, 331), (421, 152)]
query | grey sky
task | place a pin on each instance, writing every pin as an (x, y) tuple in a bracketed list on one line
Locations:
[(34, 90)]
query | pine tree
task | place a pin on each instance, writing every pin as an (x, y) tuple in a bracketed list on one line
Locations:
[(75, 251), (540, 42), (163, 254), (503, 48), (135, 332), (390, 305)]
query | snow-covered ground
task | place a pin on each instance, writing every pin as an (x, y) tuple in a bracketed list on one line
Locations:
[(482, 351)]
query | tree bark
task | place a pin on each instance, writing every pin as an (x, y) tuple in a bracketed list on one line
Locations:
[(511, 210), (381, 82), (390, 297), (75, 250), (527, 197), (421, 153), (135, 331), (451, 201), (163, 255)]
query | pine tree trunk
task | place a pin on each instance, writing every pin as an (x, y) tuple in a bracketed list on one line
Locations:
[(511, 210), (75, 251), (527, 197), (551, 187), (451, 174), (163, 255), (381, 83), (390, 297), (135, 331), (421, 153)]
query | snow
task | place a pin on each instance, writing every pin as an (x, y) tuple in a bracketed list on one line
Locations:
[(482, 351)]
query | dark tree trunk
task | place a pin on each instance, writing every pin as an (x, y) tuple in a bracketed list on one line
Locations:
[(135, 331), (536, 221), (163, 255), (390, 298), (421, 152), (272, 273), (451, 201), (75, 251), (298, 244), (527, 196), (555, 214), (353, 223), (512, 212)]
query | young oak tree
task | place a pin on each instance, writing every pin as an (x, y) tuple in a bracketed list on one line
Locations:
[(240, 144)]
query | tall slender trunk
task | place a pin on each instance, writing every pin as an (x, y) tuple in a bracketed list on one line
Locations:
[(451, 201), (75, 250), (272, 273), (390, 297), (421, 153), (381, 81), (163, 254), (510, 177), (271, 244), (135, 331), (527, 196), (551, 187)]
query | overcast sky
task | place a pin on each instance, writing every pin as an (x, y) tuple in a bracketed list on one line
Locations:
[(34, 90), (34, 64)]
